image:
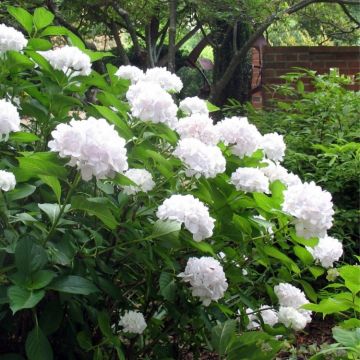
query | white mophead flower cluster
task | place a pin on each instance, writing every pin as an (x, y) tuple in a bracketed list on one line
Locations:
[(9, 118), (149, 102), (11, 39), (206, 277), (312, 208), (69, 59), (198, 126), (133, 322), (274, 146), (268, 315), (200, 159), (93, 146), (236, 131), (193, 105), (167, 80), (274, 171), (7, 180), (290, 312), (250, 180), (190, 211), (326, 251), (129, 72), (143, 180)]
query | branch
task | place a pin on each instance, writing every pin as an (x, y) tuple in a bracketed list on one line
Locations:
[(219, 87), (122, 53), (348, 14), (172, 35), (130, 28)]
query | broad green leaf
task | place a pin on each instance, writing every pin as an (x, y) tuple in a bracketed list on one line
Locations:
[(104, 324), (54, 31), (351, 275), (23, 17), (211, 107), (97, 55), (21, 191), (202, 246), (101, 211), (165, 227), (350, 323), (329, 306), (18, 62), (40, 279), (242, 223), (277, 254), (73, 284), (303, 255), (349, 338), (37, 346), (316, 271), (42, 18), (51, 316), (120, 125), (23, 137), (167, 286), (222, 336), (309, 291), (39, 44), (20, 298), (54, 183), (29, 257), (263, 202), (37, 164), (84, 340)]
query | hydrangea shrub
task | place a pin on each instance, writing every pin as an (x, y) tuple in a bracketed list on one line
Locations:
[(132, 226)]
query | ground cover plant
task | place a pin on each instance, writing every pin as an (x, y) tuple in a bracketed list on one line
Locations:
[(132, 227)]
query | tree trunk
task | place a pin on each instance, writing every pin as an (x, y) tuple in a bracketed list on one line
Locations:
[(172, 35), (229, 39)]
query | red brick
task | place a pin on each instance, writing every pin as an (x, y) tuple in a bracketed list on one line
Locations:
[(303, 56), (353, 64), (286, 57)]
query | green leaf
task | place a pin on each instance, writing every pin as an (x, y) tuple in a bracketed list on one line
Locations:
[(309, 291), (23, 17), (349, 338), (29, 257), (120, 125), (329, 306), (73, 284), (100, 210), (242, 223), (351, 275), (18, 62), (23, 137), (263, 202), (54, 183), (277, 254), (211, 107), (167, 286), (202, 246), (316, 271), (303, 255), (42, 18), (104, 324), (39, 44), (97, 55), (40, 279), (20, 298), (52, 210), (37, 164), (37, 346), (165, 227), (222, 336), (20, 192), (54, 31), (84, 340)]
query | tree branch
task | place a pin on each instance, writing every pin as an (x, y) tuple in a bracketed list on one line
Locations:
[(348, 14), (172, 35), (122, 53), (239, 55)]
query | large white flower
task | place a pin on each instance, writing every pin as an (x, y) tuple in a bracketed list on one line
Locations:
[(93, 146), (327, 251), (11, 39), (236, 131), (292, 318), (133, 322), (69, 59), (274, 171), (312, 208), (200, 159), (193, 105), (9, 118), (198, 126), (250, 180), (129, 72), (274, 146), (206, 277), (290, 296), (7, 180), (190, 211), (163, 77), (149, 102), (268, 315), (142, 178)]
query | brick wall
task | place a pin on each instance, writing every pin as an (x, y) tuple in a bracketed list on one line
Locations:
[(280, 60)]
